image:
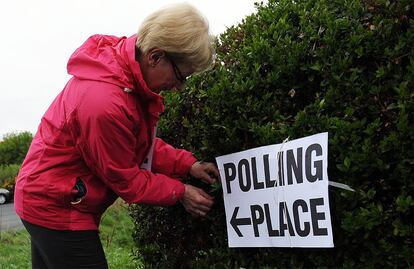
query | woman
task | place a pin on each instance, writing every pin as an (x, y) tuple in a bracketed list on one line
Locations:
[(96, 142)]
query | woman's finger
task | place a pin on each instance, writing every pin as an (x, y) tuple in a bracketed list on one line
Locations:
[(212, 169)]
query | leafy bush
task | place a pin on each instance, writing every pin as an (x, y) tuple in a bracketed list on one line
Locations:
[(293, 69), (14, 147)]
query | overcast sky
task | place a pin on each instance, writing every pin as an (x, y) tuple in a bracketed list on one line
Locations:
[(37, 38)]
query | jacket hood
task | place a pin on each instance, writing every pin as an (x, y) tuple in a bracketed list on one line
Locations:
[(111, 59)]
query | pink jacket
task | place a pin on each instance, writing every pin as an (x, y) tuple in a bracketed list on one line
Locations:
[(99, 130)]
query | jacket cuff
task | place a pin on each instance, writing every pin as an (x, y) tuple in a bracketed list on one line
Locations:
[(178, 192)]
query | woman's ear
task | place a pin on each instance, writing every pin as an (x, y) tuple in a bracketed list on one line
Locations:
[(154, 56)]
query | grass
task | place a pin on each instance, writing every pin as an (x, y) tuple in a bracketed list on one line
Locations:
[(115, 232), (15, 249), (116, 235)]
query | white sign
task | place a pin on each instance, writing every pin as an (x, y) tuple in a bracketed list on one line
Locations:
[(277, 195)]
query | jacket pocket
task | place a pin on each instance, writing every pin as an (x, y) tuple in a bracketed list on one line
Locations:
[(91, 195), (79, 192)]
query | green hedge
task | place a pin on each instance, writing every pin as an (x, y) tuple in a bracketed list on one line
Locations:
[(293, 69)]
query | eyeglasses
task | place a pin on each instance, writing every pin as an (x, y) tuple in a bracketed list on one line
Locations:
[(177, 71)]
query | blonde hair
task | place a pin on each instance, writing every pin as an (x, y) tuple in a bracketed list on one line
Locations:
[(182, 32)]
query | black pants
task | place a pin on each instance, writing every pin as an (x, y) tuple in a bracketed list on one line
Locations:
[(65, 249)]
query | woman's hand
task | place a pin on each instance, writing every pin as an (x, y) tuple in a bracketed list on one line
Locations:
[(207, 172), (196, 201)]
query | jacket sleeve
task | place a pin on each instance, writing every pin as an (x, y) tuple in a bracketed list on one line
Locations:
[(171, 161), (107, 144)]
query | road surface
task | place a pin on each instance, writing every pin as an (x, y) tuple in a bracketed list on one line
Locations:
[(8, 218)]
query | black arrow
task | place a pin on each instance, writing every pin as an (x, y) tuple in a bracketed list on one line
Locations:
[(236, 222)]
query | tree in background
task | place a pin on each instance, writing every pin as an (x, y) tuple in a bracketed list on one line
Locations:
[(14, 147), (13, 150), (293, 69)]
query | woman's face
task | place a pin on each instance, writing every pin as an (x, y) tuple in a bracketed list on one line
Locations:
[(160, 72)]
